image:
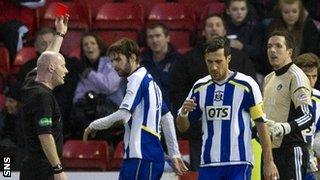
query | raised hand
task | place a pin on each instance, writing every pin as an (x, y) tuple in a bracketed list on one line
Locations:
[(61, 24)]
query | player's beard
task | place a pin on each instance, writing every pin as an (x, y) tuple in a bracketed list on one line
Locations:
[(126, 71)]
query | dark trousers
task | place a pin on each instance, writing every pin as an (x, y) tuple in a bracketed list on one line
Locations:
[(292, 162), (36, 169), (195, 143)]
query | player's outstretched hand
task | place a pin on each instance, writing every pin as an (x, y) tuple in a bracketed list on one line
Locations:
[(87, 132), (188, 106), (270, 171), (179, 167)]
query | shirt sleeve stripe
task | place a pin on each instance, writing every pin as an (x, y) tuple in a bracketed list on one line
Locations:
[(240, 85)]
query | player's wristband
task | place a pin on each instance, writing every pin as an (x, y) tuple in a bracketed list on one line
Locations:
[(57, 169), (60, 34)]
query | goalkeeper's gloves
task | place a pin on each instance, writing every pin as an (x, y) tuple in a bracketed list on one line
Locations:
[(278, 129)]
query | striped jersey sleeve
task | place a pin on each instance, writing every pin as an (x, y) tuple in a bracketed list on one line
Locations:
[(315, 97)]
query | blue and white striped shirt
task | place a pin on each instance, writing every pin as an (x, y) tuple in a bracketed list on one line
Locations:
[(142, 132), (226, 111)]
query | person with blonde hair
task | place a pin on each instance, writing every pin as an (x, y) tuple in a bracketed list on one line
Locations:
[(291, 16)]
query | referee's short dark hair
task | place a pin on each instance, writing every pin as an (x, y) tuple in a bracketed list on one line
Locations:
[(218, 43), (287, 36), (126, 47)]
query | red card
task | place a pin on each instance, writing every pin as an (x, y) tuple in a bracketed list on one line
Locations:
[(61, 9)]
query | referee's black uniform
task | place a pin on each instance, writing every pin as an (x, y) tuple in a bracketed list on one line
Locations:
[(41, 116)]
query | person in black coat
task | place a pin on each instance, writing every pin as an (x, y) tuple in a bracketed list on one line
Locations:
[(159, 57)]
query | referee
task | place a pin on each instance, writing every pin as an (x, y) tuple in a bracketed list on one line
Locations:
[(42, 117)]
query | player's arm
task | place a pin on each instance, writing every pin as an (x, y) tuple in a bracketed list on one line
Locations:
[(120, 116), (270, 169), (182, 119), (49, 148), (172, 144), (303, 119), (61, 24)]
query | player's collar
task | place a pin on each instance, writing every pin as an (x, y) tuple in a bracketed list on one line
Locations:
[(283, 70), (231, 74)]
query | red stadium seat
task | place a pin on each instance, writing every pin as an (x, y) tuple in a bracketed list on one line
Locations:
[(86, 155), (215, 7), (24, 55), (117, 20), (178, 18), (180, 39), (112, 36), (95, 5), (197, 6), (4, 60), (147, 5), (71, 41), (12, 11), (119, 16), (174, 15), (75, 53), (116, 162)]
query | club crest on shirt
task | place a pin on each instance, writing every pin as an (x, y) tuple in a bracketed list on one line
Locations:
[(218, 95), (279, 87)]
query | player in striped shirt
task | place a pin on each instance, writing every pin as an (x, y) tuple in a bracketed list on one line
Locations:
[(226, 101), (142, 112), (309, 64)]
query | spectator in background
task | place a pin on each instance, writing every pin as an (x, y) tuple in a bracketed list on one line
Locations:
[(15, 22), (159, 57), (63, 93), (263, 7), (243, 30), (100, 89), (193, 67), (42, 40), (11, 139), (309, 63), (291, 16)]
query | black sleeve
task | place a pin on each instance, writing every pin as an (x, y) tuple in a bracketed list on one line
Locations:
[(304, 118), (43, 116)]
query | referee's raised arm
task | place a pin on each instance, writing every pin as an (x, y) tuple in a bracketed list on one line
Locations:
[(61, 24)]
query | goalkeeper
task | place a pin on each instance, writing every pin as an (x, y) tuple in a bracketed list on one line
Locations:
[(287, 102)]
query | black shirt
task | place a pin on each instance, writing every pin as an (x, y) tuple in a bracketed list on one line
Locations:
[(41, 116)]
